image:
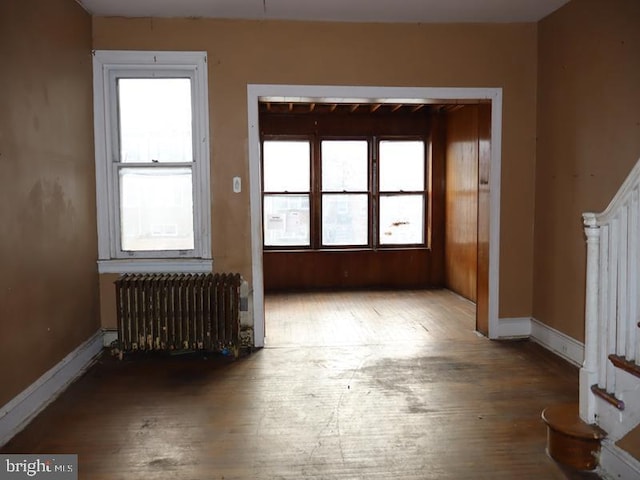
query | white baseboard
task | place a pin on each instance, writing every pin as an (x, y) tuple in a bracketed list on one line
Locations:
[(559, 343), (110, 336), (15, 415), (514, 327), (617, 464)]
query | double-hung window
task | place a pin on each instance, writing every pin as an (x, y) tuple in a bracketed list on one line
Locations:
[(402, 193), (345, 192), (152, 160), (287, 187)]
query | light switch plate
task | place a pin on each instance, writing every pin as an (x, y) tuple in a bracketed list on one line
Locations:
[(237, 184)]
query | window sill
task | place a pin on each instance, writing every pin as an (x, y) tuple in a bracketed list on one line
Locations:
[(169, 265), (386, 248)]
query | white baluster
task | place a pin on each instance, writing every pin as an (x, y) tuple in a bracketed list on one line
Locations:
[(589, 370), (603, 305), (634, 267), (622, 312), (610, 320)]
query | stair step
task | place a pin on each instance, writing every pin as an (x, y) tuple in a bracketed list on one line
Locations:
[(626, 365), (631, 443), (570, 441), (607, 397)]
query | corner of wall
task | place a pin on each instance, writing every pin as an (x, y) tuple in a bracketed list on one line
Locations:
[(557, 342), (19, 411), (511, 328)]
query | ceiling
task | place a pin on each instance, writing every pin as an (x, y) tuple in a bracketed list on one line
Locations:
[(404, 11)]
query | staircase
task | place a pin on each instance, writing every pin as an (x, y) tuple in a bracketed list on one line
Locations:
[(603, 431), (610, 375)]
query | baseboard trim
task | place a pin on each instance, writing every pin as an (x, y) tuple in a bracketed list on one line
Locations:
[(617, 464), (15, 415), (559, 343), (110, 336), (514, 327)]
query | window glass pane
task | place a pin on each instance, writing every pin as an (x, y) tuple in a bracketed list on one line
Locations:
[(401, 219), (345, 219), (156, 209), (286, 220), (286, 166), (155, 120), (344, 165), (401, 165)]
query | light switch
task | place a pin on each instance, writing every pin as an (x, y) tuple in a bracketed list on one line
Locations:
[(237, 184)]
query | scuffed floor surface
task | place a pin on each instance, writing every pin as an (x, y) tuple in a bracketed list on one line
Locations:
[(378, 385)]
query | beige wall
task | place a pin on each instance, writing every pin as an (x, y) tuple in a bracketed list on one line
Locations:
[(588, 140), (48, 282), (243, 52), (580, 67)]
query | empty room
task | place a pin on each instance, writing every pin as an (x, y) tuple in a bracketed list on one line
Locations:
[(273, 239)]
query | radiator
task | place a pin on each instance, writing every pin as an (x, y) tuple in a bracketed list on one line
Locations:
[(178, 312)]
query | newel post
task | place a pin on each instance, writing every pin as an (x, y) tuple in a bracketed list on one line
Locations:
[(589, 370)]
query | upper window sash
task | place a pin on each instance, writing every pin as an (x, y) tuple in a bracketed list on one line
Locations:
[(113, 102), (108, 66)]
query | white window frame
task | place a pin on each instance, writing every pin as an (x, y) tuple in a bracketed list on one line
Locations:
[(108, 66)]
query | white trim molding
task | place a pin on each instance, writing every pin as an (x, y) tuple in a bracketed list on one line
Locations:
[(156, 266), (519, 327), (108, 67), (370, 94), (559, 343), (110, 336), (617, 464), (553, 340), (15, 415)]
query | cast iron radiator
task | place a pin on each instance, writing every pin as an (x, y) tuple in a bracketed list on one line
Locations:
[(178, 312)]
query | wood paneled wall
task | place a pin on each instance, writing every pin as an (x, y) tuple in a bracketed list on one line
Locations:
[(325, 269), (461, 200), (458, 257), (363, 268)]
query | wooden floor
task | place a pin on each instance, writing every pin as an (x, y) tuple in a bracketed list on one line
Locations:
[(374, 385)]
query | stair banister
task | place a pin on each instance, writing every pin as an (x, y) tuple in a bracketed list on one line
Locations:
[(612, 307)]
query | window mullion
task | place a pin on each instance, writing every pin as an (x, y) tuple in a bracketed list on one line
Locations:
[(375, 184), (316, 193)]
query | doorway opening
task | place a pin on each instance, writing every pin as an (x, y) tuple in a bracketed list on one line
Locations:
[(373, 99)]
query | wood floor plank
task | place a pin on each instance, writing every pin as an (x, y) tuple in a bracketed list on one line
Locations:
[(355, 385)]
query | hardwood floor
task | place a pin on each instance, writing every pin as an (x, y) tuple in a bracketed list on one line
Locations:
[(371, 385), (367, 318)]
